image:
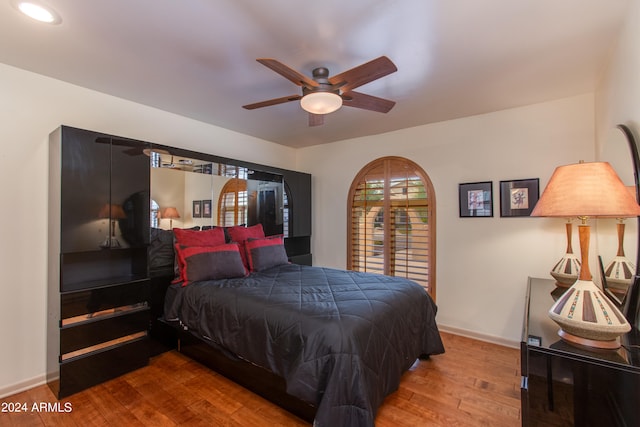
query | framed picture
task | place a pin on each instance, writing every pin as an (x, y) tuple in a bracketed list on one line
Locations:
[(206, 209), (476, 199), (197, 208), (518, 197)]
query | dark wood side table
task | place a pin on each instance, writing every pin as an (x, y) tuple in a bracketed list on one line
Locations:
[(563, 384)]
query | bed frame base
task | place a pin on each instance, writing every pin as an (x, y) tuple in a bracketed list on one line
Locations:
[(254, 378)]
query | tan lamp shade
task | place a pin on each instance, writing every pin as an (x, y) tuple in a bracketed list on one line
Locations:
[(111, 211), (114, 213), (585, 315), (586, 190), (170, 213)]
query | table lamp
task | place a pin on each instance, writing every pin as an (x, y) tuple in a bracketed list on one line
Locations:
[(170, 213), (112, 213), (620, 270), (585, 315)]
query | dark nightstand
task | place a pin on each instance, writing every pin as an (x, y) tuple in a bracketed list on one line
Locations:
[(564, 384)]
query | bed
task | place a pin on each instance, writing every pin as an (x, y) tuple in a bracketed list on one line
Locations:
[(340, 340)]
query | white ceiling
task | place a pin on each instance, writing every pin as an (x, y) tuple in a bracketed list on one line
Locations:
[(196, 58)]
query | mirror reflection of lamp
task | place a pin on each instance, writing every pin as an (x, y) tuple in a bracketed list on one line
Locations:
[(583, 312), (113, 213), (170, 213), (620, 270)]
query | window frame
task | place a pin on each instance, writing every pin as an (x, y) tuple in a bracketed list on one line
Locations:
[(385, 167), (234, 186)]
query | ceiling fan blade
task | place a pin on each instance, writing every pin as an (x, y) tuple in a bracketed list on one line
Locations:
[(367, 102), (316, 119), (364, 73), (274, 101), (288, 73)]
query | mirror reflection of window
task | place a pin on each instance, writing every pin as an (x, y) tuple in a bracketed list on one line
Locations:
[(155, 211), (285, 212), (232, 204), (155, 159), (233, 171)]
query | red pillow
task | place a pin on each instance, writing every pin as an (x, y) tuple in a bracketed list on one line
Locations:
[(186, 237), (210, 262), (240, 234), (266, 253), (211, 237)]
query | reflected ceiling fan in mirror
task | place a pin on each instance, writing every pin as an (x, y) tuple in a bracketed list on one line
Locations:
[(322, 94)]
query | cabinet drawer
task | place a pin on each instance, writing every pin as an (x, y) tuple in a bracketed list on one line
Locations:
[(102, 329), (97, 299), (85, 371)]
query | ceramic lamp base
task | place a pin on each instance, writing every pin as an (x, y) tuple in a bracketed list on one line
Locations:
[(110, 242), (619, 273), (566, 270), (574, 339), (584, 311)]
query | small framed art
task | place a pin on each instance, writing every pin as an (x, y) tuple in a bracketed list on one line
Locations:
[(476, 199), (518, 197), (197, 208), (206, 209)]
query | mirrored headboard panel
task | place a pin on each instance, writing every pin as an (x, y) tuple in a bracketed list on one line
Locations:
[(191, 189), (619, 239), (614, 240)]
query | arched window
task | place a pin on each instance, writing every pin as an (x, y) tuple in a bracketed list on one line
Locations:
[(155, 211), (286, 217), (392, 221), (232, 203)]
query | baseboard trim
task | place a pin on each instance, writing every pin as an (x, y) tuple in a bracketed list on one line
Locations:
[(22, 386), (479, 336)]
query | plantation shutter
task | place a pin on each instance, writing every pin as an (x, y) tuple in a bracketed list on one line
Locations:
[(232, 203), (391, 223)]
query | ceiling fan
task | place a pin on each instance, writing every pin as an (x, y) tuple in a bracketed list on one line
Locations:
[(323, 94)]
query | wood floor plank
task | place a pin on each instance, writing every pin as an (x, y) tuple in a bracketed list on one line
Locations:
[(473, 384)]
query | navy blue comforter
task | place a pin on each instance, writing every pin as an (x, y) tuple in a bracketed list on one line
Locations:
[(340, 339)]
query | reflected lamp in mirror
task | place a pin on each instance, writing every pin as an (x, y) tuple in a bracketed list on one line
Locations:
[(620, 270), (171, 213), (567, 269), (583, 190), (112, 213)]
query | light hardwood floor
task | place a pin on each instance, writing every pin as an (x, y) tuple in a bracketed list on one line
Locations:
[(473, 384)]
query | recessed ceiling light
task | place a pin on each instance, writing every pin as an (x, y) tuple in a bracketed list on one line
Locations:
[(38, 11)]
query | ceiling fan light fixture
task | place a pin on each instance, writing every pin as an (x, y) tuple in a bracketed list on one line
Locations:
[(321, 102)]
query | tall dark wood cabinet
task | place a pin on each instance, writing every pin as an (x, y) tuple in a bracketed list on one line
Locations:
[(98, 283), (298, 242), (567, 385)]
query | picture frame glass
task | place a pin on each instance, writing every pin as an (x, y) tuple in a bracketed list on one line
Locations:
[(197, 209), (476, 199), (206, 208), (518, 197)]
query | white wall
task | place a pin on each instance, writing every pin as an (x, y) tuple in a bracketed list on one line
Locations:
[(167, 190), (31, 106), (482, 263), (618, 96)]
